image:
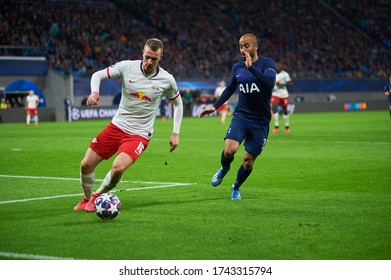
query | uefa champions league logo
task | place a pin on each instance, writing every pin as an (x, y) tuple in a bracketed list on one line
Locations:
[(75, 113), (92, 113)]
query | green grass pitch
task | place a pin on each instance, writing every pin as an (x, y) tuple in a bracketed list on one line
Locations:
[(322, 192)]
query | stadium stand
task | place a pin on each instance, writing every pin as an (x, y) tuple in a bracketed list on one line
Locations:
[(315, 39)]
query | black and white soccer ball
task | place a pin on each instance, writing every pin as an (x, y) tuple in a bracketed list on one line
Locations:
[(107, 206)]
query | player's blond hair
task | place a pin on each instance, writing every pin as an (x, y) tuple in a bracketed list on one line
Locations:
[(154, 44)]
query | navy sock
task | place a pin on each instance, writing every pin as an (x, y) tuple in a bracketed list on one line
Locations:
[(226, 162), (241, 176)]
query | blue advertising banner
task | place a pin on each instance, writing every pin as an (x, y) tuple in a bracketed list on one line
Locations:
[(78, 113), (113, 87), (23, 66), (91, 113)]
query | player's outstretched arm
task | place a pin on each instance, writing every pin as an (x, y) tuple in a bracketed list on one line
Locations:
[(178, 115), (93, 99), (207, 111)]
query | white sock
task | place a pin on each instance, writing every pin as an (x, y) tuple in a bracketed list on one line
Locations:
[(275, 117), (107, 185), (86, 182), (28, 119), (286, 120)]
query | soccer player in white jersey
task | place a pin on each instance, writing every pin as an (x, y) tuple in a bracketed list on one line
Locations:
[(280, 98), (32, 102), (128, 134), (223, 110)]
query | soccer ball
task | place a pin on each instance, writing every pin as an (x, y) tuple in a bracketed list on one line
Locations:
[(107, 206)]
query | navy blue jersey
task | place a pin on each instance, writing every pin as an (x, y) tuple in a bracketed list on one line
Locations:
[(387, 87), (255, 86)]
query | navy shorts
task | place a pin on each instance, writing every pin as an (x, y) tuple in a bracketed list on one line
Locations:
[(253, 133)]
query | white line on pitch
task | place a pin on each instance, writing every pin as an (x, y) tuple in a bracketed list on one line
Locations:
[(30, 257), (77, 179), (159, 185)]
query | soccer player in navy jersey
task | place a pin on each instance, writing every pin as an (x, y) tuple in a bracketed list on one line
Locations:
[(387, 92), (254, 77)]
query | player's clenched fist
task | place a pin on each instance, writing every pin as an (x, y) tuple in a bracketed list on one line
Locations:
[(93, 99)]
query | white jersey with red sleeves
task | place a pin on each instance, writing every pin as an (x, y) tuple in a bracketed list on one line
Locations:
[(32, 101), (141, 96), (281, 91)]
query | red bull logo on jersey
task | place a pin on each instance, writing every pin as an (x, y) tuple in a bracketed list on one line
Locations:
[(141, 96), (249, 88)]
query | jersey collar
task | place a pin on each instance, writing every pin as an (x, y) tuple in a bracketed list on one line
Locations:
[(154, 75)]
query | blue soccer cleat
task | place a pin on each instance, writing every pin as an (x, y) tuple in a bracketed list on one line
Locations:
[(235, 194), (218, 177)]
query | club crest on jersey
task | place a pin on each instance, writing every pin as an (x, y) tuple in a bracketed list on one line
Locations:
[(249, 88), (140, 96)]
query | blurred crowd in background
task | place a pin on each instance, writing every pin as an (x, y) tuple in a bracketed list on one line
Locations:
[(314, 39)]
